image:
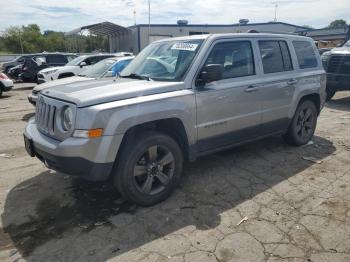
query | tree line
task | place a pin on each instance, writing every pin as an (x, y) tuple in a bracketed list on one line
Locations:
[(30, 39)]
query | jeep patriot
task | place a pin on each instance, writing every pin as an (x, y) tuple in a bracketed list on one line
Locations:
[(179, 99)]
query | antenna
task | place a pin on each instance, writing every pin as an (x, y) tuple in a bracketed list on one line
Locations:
[(134, 17), (276, 6)]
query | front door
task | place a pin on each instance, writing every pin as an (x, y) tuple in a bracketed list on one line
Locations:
[(229, 110)]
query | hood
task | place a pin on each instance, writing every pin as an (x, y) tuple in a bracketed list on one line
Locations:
[(60, 82), (50, 69), (103, 91), (344, 50)]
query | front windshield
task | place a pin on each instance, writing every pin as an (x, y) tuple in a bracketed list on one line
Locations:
[(164, 61), (98, 69), (76, 61)]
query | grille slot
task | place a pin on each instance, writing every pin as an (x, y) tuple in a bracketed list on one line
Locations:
[(45, 117), (339, 64)]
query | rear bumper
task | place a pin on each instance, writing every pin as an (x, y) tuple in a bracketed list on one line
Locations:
[(339, 81), (90, 159)]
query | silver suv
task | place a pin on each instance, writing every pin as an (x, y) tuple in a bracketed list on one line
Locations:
[(179, 99)]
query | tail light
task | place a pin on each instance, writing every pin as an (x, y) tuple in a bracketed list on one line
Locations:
[(3, 76), (24, 68)]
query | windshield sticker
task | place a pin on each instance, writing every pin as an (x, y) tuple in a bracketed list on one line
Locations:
[(185, 47)]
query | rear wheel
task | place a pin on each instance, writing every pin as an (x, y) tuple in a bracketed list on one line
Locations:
[(330, 92), (149, 168), (303, 125)]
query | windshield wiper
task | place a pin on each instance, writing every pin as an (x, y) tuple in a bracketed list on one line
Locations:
[(137, 76), (82, 75)]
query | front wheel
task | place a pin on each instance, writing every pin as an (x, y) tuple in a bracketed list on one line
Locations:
[(303, 124), (149, 168)]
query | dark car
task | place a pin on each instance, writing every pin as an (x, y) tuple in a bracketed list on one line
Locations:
[(337, 65), (10, 64), (34, 63)]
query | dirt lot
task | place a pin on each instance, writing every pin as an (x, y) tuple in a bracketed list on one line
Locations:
[(258, 202)]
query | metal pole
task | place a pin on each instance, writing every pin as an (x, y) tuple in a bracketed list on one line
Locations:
[(149, 21)]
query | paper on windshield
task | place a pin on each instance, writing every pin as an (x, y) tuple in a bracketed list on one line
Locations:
[(185, 46)]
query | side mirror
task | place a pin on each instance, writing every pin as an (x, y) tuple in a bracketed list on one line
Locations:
[(210, 73), (82, 64), (109, 74)]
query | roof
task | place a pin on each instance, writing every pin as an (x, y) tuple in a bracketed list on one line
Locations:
[(218, 25), (237, 35), (104, 28)]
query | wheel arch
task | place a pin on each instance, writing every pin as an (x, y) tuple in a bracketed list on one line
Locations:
[(172, 127), (66, 74)]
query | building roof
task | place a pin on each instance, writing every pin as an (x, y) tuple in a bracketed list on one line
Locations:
[(104, 28)]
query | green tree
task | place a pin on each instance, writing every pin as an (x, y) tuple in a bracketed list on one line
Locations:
[(337, 23), (29, 39), (308, 26)]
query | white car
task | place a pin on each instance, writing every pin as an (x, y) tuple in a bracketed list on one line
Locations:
[(6, 84), (72, 68), (106, 68)]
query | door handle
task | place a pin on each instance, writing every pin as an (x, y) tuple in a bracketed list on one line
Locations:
[(251, 89), (292, 82)]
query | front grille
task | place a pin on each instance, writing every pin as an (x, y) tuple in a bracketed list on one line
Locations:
[(45, 117), (339, 64)]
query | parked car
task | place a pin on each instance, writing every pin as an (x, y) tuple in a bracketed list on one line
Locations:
[(15, 72), (73, 68), (6, 84), (225, 90), (337, 65), (10, 64), (106, 68), (34, 63)]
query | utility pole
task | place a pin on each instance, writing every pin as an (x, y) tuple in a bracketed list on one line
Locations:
[(149, 21), (134, 17), (20, 40), (276, 6)]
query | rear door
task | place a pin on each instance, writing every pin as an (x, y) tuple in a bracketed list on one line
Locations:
[(278, 83), (229, 110)]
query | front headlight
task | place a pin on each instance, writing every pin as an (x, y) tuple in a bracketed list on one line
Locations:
[(67, 116), (50, 72)]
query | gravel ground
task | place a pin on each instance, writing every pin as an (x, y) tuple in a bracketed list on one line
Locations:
[(265, 201)]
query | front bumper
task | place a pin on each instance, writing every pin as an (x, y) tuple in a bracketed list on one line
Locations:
[(90, 159), (32, 98), (339, 81), (7, 84)]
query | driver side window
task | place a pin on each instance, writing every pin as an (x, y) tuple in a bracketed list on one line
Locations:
[(236, 59)]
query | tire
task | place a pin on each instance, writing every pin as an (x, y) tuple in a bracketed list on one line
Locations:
[(330, 92), (0, 91), (148, 169), (303, 124)]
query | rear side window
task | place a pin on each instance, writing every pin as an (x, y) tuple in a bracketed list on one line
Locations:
[(56, 59), (275, 56), (236, 58), (305, 54), (94, 59)]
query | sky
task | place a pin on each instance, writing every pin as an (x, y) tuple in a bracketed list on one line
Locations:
[(66, 15)]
